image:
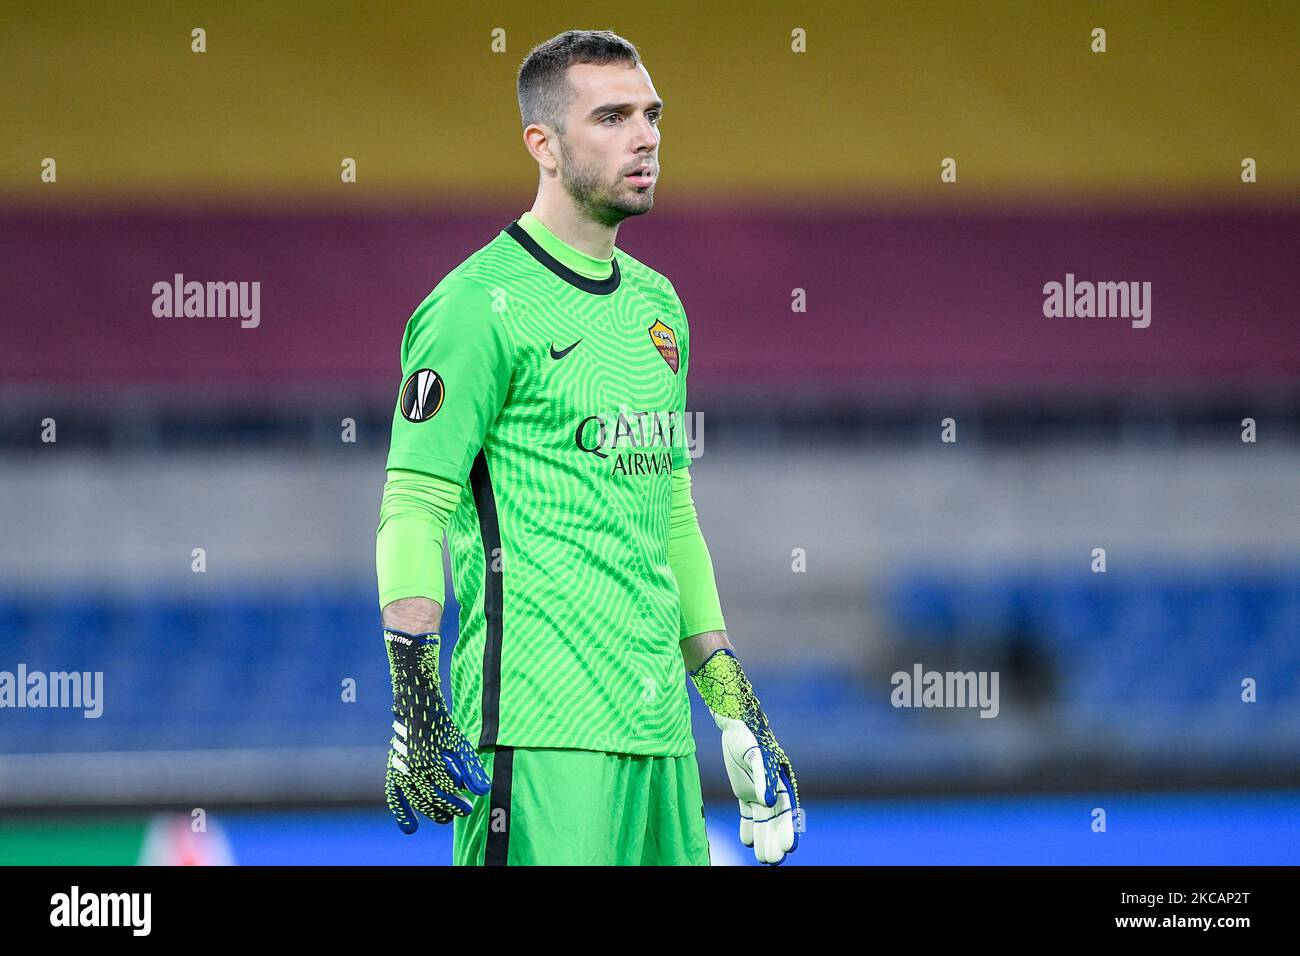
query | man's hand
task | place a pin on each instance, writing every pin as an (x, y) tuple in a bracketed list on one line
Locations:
[(429, 759), (760, 773)]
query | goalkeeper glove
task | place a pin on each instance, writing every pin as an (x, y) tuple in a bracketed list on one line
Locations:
[(760, 772), (429, 759)]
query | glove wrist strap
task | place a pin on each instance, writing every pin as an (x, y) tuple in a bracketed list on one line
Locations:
[(412, 657)]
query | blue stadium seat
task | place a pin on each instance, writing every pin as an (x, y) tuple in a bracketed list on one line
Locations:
[(1145, 656)]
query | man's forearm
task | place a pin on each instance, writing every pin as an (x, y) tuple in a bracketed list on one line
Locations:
[(698, 648), (415, 615), (688, 557), (413, 515)]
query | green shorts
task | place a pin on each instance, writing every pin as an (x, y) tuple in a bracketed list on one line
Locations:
[(583, 807)]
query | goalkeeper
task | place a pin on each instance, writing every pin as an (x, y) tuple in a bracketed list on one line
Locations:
[(539, 424)]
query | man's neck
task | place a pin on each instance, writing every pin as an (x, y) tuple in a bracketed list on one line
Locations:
[(584, 235)]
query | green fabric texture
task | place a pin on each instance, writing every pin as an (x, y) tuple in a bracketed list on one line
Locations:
[(577, 260), (585, 808), (413, 514), (688, 556), (415, 510), (557, 408)]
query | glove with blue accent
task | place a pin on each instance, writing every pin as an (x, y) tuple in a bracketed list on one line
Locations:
[(760, 772), (429, 759)]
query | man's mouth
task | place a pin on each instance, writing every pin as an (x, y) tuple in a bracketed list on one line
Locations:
[(642, 176)]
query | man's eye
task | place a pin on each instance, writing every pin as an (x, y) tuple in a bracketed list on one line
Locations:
[(612, 116)]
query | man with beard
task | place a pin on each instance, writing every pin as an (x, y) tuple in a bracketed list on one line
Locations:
[(540, 425)]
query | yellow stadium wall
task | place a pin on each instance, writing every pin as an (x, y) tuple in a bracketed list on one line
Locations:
[(418, 96)]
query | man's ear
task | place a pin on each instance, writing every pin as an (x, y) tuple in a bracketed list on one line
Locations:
[(538, 140)]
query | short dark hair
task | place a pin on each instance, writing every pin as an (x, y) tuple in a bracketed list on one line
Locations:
[(544, 91)]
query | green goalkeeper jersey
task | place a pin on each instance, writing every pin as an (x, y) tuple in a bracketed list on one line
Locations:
[(551, 385)]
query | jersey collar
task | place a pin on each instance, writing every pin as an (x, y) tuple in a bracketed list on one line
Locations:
[(547, 248)]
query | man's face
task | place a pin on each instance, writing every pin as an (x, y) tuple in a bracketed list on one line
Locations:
[(612, 132)]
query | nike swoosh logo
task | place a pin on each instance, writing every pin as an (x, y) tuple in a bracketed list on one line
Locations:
[(559, 355)]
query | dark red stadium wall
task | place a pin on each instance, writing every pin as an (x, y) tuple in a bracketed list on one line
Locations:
[(912, 300)]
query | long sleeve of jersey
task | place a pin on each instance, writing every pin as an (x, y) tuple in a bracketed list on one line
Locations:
[(688, 555), (413, 515), (456, 362)]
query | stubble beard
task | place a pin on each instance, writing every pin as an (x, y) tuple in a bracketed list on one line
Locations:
[(591, 193)]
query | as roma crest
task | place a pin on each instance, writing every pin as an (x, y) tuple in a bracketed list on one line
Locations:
[(666, 342)]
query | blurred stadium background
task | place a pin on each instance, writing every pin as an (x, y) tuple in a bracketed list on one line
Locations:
[(816, 171)]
